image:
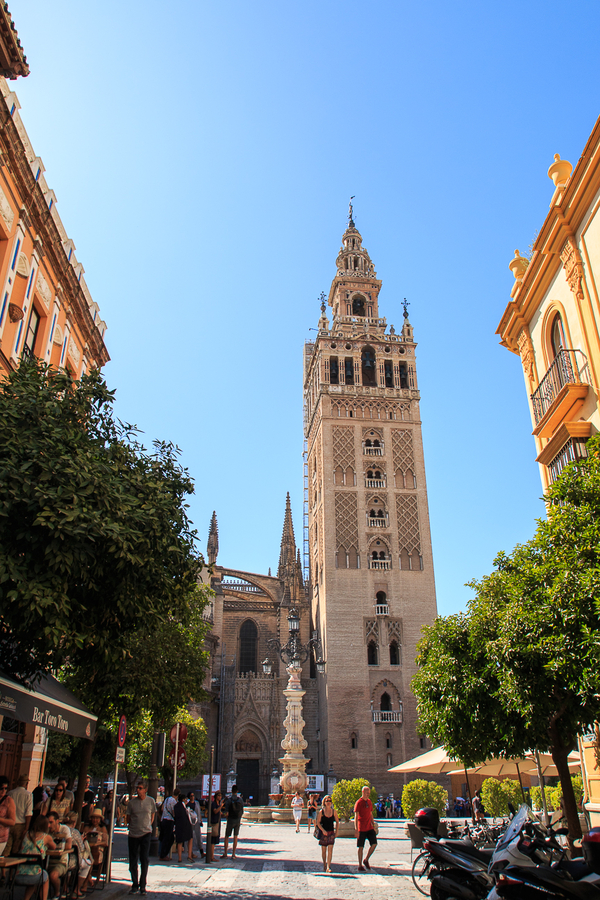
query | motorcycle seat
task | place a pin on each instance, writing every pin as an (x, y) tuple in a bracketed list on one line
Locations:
[(469, 849)]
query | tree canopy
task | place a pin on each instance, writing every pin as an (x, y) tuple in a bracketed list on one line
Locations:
[(94, 533), (521, 669)]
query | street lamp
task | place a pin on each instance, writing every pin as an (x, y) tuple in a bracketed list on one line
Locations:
[(267, 666)]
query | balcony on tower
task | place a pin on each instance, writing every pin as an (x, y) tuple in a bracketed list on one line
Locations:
[(374, 478), (373, 448), (561, 392), (392, 715)]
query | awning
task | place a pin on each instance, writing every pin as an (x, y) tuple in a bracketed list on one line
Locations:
[(51, 705)]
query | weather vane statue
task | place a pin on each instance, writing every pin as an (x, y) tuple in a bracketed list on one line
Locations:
[(351, 212), (406, 305), (322, 299)]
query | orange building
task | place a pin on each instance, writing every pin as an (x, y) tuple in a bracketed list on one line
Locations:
[(46, 309)]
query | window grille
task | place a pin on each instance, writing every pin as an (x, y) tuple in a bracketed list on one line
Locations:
[(573, 450)]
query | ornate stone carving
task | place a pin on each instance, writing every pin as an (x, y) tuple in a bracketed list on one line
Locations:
[(23, 265), (346, 520), (43, 290), (294, 762), (58, 335), (15, 313), (6, 211), (343, 447), (409, 537), (74, 352), (573, 266), (527, 355)]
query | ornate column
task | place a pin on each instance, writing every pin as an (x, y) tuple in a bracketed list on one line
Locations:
[(294, 762)]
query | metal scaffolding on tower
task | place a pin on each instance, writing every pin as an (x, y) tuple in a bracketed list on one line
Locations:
[(305, 549)]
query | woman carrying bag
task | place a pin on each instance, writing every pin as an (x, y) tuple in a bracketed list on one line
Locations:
[(215, 818), (328, 823)]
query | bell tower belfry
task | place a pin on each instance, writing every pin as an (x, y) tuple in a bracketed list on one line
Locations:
[(371, 565)]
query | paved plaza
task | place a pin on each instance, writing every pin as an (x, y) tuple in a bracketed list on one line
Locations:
[(275, 862)]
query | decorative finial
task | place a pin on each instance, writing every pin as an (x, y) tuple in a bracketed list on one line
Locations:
[(351, 212), (405, 307), (322, 299), (392, 329)]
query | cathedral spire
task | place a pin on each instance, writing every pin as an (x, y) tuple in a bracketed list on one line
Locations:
[(287, 555), (213, 540)]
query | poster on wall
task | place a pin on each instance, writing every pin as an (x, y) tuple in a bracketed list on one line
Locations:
[(316, 783)]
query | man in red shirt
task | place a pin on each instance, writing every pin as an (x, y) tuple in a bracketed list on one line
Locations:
[(364, 828)]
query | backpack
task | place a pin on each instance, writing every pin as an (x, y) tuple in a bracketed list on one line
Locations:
[(236, 808)]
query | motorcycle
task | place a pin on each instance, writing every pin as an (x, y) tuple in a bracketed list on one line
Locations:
[(452, 869), (530, 864)]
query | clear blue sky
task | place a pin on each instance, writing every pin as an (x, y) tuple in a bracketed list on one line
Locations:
[(203, 154)]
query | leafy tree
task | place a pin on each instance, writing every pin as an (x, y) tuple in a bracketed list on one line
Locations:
[(94, 534), (496, 795), (420, 793), (521, 670), (138, 746), (346, 793)]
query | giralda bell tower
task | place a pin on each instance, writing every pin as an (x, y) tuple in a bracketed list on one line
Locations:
[(371, 566)]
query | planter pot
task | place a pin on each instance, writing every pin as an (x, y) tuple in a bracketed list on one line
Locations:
[(346, 830)]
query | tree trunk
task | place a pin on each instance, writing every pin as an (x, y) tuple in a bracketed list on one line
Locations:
[(87, 750), (560, 756)]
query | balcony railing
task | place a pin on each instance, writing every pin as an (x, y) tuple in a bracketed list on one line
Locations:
[(373, 451), (377, 523), (380, 715), (382, 609), (569, 367), (379, 564), (374, 482)]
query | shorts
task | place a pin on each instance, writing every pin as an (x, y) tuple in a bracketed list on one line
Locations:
[(232, 827), (32, 879), (312, 814), (297, 814), (370, 836), (58, 867)]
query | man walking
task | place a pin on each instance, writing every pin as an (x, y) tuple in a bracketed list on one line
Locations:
[(141, 811), (167, 825), (235, 811), (23, 812), (364, 827)]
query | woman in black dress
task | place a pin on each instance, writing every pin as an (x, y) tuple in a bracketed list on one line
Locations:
[(328, 823), (216, 808), (184, 833)]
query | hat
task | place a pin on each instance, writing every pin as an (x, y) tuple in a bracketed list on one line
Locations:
[(23, 779), (97, 812)]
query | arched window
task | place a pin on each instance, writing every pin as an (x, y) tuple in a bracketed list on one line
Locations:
[(388, 741), (368, 371), (385, 704), (353, 741), (358, 305), (394, 654), (381, 597), (248, 647), (372, 654), (557, 336)]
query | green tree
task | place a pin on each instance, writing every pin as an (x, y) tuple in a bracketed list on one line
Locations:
[(521, 669), (420, 793), (346, 793), (94, 534), (496, 795)]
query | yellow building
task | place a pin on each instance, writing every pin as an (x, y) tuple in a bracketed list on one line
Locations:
[(553, 323)]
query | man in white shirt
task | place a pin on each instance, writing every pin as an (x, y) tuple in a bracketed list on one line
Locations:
[(141, 811), (61, 835), (24, 809), (167, 825)]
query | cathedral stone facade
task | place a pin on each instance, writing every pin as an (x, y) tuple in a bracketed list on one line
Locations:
[(371, 583)]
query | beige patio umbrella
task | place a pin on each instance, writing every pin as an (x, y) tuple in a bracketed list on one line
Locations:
[(434, 762)]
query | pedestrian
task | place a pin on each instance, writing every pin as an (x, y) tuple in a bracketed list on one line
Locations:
[(194, 805), (141, 812), (388, 808), (7, 812), (364, 827), (297, 807), (216, 808), (235, 811), (312, 810), (167, 825), (328, 823), (478, 808), (23, 812), (89, 798), (184, 833), (61, 835)]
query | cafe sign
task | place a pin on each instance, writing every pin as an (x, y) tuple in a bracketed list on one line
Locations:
[(50, 705)]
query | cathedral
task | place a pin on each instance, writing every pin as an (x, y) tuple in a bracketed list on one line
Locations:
[(367, 587)]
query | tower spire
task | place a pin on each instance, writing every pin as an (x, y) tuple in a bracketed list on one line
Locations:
[(213, 539), (287, 554), (351, 213)]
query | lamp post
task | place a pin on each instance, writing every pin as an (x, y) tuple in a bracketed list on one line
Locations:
[(293, 654)]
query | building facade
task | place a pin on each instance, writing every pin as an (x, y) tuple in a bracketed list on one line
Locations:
[(553, 323), (371, 564)]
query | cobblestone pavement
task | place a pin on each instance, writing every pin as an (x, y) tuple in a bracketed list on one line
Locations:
[(275, 863)]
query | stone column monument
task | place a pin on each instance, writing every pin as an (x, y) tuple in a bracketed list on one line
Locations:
[(294, 762)]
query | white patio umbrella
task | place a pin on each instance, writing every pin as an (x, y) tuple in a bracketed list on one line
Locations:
[(434, 762)]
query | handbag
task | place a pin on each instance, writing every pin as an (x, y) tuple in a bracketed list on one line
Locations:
[(317, 833)]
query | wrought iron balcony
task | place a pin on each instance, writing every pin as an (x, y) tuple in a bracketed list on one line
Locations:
[(569, 368), (380, 715)]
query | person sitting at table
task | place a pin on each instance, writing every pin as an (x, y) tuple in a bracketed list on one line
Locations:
[(61, 835), (84, 856), (7, 812), (59, 803), (37, 842), (97, 837)]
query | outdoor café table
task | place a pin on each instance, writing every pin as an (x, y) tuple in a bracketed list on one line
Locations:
[(7, 882)]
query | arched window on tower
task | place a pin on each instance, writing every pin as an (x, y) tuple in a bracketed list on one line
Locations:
[(248, 647), (385, 704), (358, 306), (353, 741), (394, 654), (368, 369), (372, 655)]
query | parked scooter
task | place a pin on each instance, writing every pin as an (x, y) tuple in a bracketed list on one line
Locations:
[(530, 864), (455, 869)]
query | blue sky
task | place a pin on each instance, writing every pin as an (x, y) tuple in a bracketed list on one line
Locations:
[(203, 155)]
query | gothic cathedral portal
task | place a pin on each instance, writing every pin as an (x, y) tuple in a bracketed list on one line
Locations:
[(371, 566)]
